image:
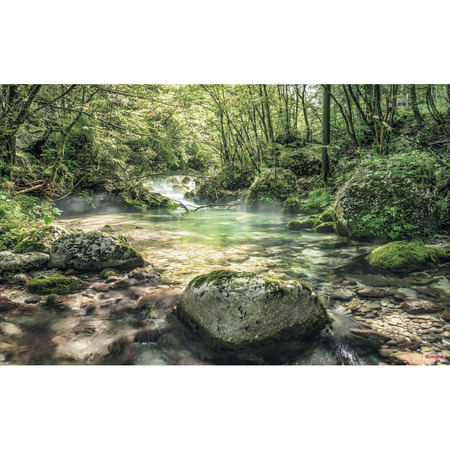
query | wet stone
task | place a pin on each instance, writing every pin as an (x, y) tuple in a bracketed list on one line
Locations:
[(373, 293), (342, 295), (420, 306)]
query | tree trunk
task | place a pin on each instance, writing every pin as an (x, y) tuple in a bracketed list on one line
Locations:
[(325, 131), (412, 93)]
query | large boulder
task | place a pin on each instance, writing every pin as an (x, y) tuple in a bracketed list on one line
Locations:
[(14, 262), (237, 310), (388, 199), (270, 189), (93, 251)]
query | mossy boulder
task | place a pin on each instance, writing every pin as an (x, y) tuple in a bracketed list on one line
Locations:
[(405, 257), (22, 262), (326, 227), (93, 252), (271, 188), (54, 284), (327, 215), (40, 239), (238, 310), (389, 199), (140, 197), (227, 185), (305, 224), (291, 206)]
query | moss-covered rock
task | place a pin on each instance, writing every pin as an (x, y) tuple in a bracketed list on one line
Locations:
[(227, 185), (388, 199), (291, 206), (140, 197), (109, 272), (405, 257), (54, 284), (40, 239), (326, 227), (237, 310), (304, 224), (271, 188), (93, 252), (327, 215)]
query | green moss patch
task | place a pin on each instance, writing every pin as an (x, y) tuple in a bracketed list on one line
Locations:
[(405, 257), (327, 227), (304, 224), (327, 216), (105, 273), (54, 284), (40, 239), (272, 187)]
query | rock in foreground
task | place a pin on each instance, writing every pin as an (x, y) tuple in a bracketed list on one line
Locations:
[(94, 251), (13, 262), (237, 310)]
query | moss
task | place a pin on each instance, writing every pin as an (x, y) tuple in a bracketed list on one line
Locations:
[(122, 284), (105, 273), (140, 197), (107, 228), (54, 284), (405, 257), (315, 325), (272, 187), (327, 216), (291, 206), (327, 227), (303, 224), (218, 277), (40, 239)]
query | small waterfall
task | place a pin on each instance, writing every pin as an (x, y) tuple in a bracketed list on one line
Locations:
[(338, 335), (174, 188)]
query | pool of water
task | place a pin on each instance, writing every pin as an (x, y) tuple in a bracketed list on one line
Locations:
[(106, 328)]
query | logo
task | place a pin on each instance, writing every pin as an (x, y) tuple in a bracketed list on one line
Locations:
[(434, 356)]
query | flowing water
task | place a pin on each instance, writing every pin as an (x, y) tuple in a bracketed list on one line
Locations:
[(181, 246)]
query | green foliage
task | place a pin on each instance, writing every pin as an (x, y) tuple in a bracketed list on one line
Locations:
[(272, 187), (40, 238), (291, 205), (327, 216), (317, 200), (17, 214), (405, 257), (391, 197), (54, 284), (226, 185)]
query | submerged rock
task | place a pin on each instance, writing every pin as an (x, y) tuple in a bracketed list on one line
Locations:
[(16, 262), (405, 257), (419, 306), (94, 251), (237, 310)]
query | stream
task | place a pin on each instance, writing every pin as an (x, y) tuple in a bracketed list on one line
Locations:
[(105, 327)]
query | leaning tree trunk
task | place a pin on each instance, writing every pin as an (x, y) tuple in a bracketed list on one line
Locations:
[(325, 173)]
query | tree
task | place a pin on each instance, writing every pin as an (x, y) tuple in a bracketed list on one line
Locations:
[(325, 173)]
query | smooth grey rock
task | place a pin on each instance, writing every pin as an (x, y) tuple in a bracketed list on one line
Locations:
[(22, 262), (237, 310)]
